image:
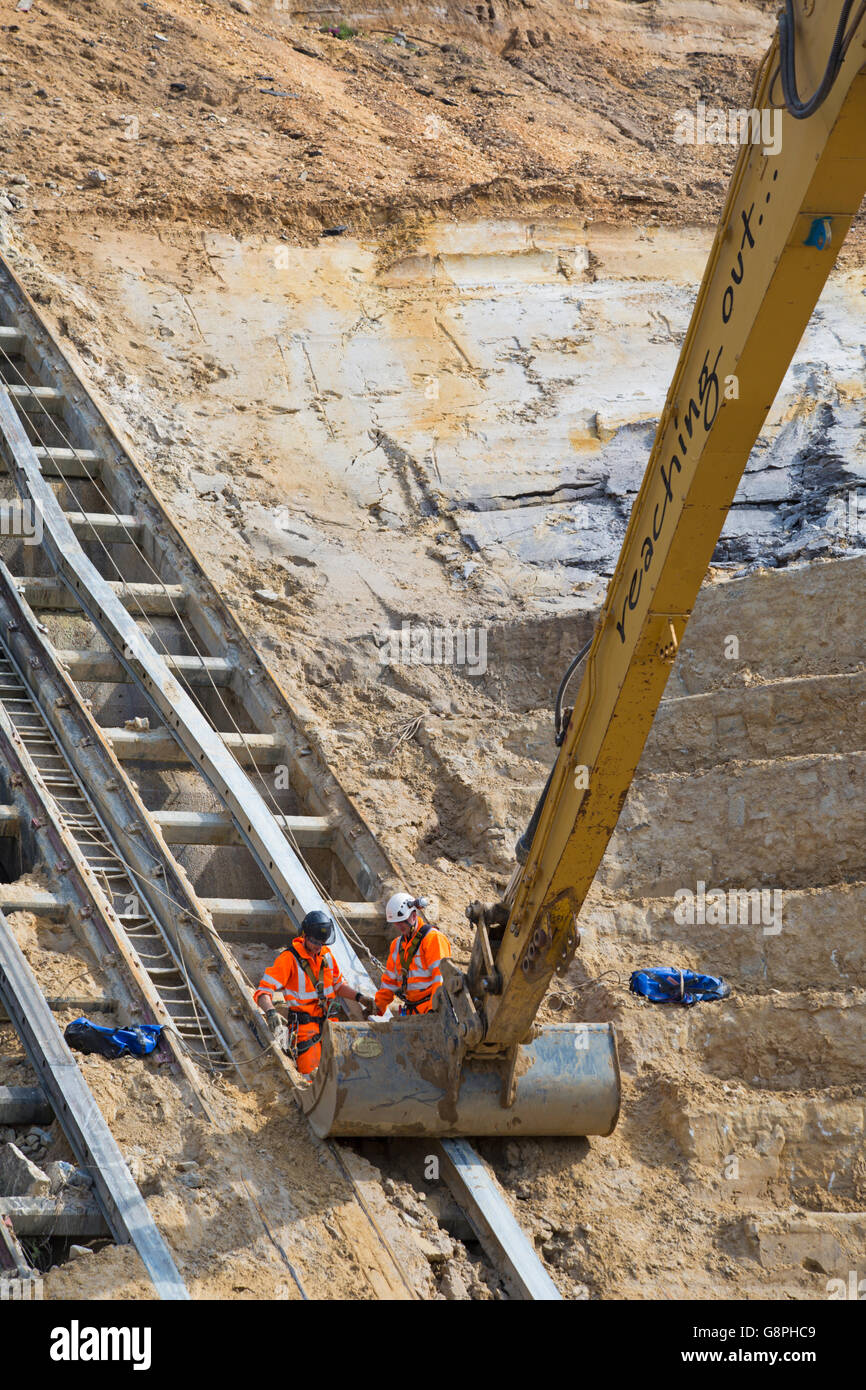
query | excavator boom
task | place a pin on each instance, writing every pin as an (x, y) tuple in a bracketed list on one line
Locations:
[(783, 224), (479, 1064)]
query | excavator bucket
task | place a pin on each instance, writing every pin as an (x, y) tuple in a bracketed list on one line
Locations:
[(405, 1078)]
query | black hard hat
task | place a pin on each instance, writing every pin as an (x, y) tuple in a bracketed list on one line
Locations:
[(317, 926)]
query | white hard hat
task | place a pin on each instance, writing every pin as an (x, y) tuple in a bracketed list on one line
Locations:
[(399, 906)]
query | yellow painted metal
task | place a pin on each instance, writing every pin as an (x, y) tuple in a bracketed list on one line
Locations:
[(760, 286)]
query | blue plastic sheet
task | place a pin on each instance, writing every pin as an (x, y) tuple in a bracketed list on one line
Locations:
[(667, 984), (137, 1041)]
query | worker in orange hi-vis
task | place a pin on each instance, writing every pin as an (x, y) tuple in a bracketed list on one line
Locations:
[(308, 978), (413, 970)]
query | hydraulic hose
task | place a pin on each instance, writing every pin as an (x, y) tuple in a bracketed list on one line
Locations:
[(796, 107), (557, 710), (521, 849)]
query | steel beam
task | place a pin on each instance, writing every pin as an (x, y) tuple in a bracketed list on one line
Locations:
[(12, 341), (35, 400), (250, 917), (233, 917), (91, 1140), (158, 745), (482, 1199), (152, 600), (100, 666), (68, 463), (24, 897), (71, 1217), (269, 912), (106, 526), (218, 828), (61, 1003), (247, 917), (88, 525), (282, 867), (24, 1105)]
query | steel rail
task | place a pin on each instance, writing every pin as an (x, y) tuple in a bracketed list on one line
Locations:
[(79, 895), (77, 1112), (279, 863), (102, 456), (216, 990), (493, 1221)]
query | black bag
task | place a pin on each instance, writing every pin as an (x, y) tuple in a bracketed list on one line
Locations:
[(86, 1037)]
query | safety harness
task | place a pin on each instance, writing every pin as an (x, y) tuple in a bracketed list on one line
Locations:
[(405, 966), (298, 1018)]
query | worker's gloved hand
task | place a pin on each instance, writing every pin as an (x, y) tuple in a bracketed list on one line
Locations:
[(273, 1020), (368, 1006)]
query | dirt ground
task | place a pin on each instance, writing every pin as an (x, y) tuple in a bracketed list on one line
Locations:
[(275, 381), (248, 117), (216, 1190)]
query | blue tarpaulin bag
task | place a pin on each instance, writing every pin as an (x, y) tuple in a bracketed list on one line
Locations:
[(137, 1041), (670, 985)]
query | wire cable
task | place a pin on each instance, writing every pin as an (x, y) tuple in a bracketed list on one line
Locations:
[(101, 874), (560, 999), (207, 926), (348, 931)]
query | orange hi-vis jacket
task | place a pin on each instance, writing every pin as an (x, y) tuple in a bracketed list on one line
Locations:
[(310, 991), (413, 969)]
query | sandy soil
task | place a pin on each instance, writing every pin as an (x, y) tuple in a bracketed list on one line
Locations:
[(216, 1190), (201, 114)]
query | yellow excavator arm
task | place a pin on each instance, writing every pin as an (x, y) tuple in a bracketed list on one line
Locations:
[(783, 224), (479, 1064)]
